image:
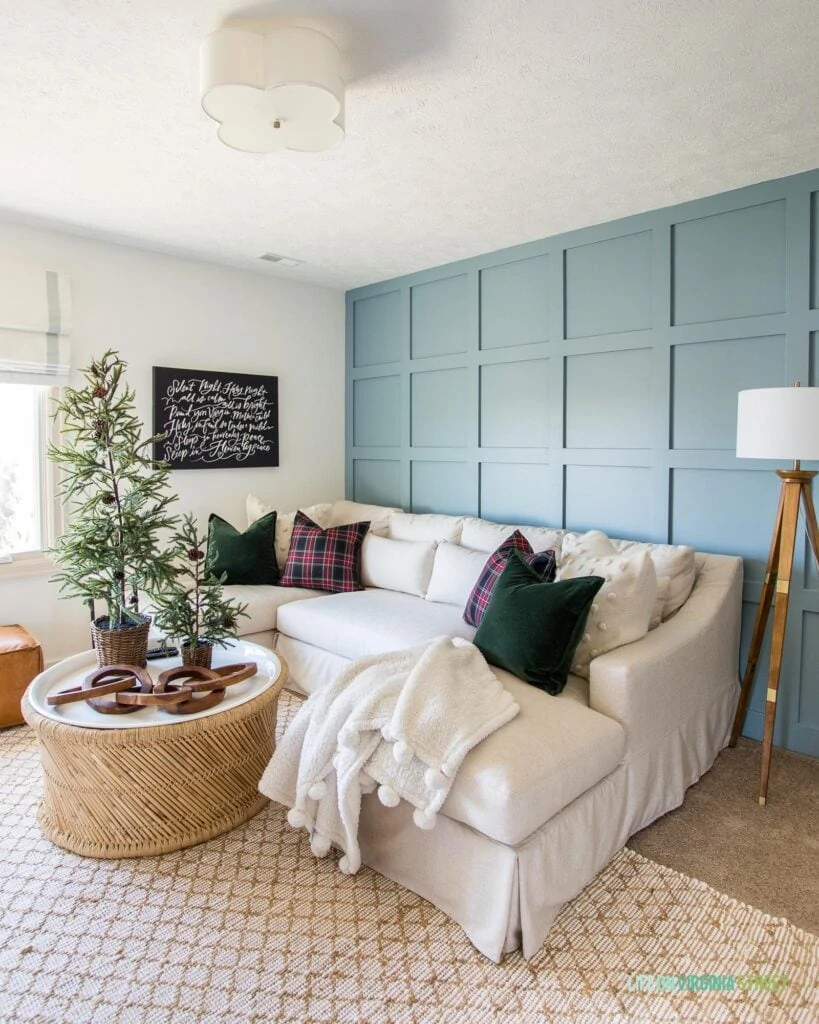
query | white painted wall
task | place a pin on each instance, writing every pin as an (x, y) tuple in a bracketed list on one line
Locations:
[(157, 309)]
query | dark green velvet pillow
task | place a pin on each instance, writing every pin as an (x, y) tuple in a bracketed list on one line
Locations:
[(248, 557), (533, 628)]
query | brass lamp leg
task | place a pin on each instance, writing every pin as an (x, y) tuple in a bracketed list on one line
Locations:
[(790, 518)]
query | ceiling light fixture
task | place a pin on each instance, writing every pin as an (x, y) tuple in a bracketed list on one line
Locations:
[(272, 91)]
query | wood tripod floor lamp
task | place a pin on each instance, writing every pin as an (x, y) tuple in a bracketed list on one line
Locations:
[(783, 424)]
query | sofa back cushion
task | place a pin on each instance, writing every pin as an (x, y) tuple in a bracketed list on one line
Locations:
[(454, 574), (426, 527), (324, 559), (256, 508), (401, 565), (622, 610), (345, 512), (482, 535), (543, 563)]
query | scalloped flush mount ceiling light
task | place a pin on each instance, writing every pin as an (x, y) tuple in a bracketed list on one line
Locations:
[(276, 90)]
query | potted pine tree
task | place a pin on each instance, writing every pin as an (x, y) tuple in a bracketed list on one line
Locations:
[(192, 608), (118, 508)]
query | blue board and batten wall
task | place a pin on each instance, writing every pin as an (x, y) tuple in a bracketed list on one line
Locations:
[(590, 380)]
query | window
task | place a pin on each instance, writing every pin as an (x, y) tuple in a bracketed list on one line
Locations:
[(35, 360), (27, 506)]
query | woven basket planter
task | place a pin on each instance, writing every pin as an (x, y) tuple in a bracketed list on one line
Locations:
[(137, 792), (200, 655), (127, 646)]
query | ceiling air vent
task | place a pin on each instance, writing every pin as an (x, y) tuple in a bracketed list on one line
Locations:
[(283, 261)]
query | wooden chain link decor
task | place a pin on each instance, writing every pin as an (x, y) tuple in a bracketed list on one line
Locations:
[(123, 689)]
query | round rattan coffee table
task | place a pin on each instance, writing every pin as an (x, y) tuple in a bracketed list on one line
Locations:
[(150, 782)]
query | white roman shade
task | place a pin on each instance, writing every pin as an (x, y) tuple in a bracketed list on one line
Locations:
[(35, 325)]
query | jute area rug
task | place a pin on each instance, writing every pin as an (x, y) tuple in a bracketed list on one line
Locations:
[(251, 927)]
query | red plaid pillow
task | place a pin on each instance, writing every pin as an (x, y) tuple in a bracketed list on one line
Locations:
[(324, 559), (543, 562)]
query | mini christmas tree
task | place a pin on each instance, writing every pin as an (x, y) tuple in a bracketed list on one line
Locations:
[(192, 607), (117, 498)]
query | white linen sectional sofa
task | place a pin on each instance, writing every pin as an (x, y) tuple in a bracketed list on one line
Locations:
[(541, 805)]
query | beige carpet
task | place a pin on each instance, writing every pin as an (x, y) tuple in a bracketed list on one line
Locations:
[(250, 927), (766, 856)]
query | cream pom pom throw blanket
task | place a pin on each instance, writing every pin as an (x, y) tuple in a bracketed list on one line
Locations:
[(400, 722)]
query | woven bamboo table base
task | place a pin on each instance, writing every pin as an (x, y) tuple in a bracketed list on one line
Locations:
[(137, 792)]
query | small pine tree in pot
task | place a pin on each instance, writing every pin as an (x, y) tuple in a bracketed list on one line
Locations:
[(117, 499), (192, 608)]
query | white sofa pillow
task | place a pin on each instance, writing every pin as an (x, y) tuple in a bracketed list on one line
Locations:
[(676, 571), (256, 508), (402, 565), (411, 526), (482, 535), (454, 574), (624, 604), (345, 512), (668, 560)]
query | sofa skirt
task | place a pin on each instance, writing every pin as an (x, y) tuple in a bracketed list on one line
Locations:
[(507, 897)]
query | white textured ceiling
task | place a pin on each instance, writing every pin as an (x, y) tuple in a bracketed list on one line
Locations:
[(472, 124)]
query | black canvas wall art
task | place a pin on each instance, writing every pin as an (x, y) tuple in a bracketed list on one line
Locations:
[(216, 420)]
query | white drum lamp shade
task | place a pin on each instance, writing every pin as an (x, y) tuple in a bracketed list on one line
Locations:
[(778, 423), (273, 91)]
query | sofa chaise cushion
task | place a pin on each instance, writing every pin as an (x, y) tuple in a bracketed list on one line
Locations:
[(534, 766), (515, 779), (367, 622)]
